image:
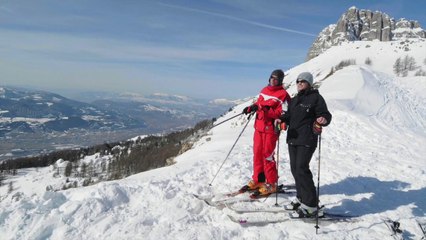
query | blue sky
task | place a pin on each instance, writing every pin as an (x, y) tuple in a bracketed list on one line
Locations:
[(204, 49)]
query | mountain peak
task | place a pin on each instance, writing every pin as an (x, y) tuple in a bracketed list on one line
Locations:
[(364, 25)]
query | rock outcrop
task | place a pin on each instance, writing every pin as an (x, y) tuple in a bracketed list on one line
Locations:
[(364, 25)]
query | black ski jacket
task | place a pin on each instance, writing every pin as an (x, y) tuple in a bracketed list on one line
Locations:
[(302, 112)]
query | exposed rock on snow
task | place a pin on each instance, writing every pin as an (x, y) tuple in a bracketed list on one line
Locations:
[(364, 25)]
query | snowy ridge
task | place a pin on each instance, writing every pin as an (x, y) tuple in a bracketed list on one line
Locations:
[(372, 165), (365, 25), (375, 89)]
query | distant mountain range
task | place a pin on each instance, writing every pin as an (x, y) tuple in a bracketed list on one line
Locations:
[(28, 115), (163, 111), (33, 111)]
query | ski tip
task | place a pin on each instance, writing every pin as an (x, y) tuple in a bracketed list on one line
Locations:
[(253, 197), (240, 221), (197, 196), (232, 218)]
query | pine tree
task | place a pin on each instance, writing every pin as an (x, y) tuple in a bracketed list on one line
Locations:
[(410, 63), (75, 169), (10, 188), (68, 169), (83, 170), (397, 66), (90, 169), (368, 61), (2, 178)]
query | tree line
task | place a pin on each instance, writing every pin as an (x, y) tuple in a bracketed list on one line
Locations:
[(121, 159)]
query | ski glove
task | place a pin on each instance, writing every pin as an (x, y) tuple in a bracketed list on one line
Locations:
[(317, 128), (249, 109), (280, 127), (266, 108)]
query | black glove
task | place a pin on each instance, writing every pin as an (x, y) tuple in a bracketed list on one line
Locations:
[(282, 117), (254, 108), (249, 109)]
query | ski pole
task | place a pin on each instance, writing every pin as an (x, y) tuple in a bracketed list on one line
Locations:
[(318, 184), (248, 120), (278, 157), (226, 120)]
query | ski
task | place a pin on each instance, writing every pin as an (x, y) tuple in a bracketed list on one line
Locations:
[(336, 217), (280, 189), (254, 209), (268, 219), (223, 199), (221, 203), (394, 228), (218, 197), (274, 209), (257, 221)]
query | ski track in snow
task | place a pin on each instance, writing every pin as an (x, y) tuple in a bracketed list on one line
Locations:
[(372, 164)]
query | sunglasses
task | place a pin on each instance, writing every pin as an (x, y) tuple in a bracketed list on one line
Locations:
[(273, 77), (300, 81)]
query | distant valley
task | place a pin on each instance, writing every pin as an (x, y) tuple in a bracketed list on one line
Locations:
[(36, 122)]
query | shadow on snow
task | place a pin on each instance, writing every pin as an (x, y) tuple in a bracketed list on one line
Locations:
[(385, 195)]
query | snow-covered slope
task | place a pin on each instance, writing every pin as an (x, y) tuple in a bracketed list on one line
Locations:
[(373, 89), (372, 165)]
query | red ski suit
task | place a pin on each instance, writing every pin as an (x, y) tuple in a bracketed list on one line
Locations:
[(270, 107)]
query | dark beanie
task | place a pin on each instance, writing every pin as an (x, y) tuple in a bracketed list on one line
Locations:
[(280, 74)]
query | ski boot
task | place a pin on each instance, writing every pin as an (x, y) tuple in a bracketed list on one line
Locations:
[(308, 212), (251, 186), (294, 205)]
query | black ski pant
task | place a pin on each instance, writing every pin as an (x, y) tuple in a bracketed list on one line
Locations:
[(300, 156)]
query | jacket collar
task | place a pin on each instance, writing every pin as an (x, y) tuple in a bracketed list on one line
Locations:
[(307, 92), (275, 88)]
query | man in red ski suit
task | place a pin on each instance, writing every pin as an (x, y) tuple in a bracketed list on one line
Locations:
[(268, 107)]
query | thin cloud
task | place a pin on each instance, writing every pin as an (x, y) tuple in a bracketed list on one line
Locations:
[(239, 20), (67, 47), (5, 9)]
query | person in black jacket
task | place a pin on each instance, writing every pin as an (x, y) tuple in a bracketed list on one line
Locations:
[(306, 115)]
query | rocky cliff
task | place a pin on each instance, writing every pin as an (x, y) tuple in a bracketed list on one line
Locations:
[(364, 25)]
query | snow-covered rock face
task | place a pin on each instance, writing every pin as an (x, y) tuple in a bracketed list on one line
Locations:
[(364, 25)]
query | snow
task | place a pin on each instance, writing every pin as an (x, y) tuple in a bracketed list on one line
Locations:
[(91, 118), (55, 99), (36, 97), (65, 146), (140, 137), (24, 119), (224, 101), (372, 165), (165, 95), (150, 107)]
